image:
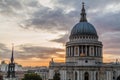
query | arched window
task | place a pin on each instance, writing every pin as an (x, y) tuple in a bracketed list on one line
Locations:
[(86, 76), (96, 75), (75, 75)]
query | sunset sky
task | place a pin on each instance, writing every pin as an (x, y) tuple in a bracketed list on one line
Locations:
[(39, 29)]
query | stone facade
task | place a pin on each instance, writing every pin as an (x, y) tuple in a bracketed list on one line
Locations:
[(84, 57)]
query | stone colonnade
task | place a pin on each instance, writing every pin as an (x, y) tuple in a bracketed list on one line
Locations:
[(87, 50)]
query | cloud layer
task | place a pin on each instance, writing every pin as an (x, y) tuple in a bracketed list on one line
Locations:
[(29, 52), (61, 17), (104, 15)]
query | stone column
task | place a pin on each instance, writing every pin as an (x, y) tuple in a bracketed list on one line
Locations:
[(81, 75), (93, 51), (78, 51), (90, 50), (86, 50), (91, 75), (68, 51), (75, 51), (107, 75), (96, 51), (71, 50), (65, 75), (94, 75), (100, 50), (78, 75)]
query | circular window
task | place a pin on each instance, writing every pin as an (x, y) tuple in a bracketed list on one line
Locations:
[(86, 61)]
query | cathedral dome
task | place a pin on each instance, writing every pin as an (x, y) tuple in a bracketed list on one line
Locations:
[(83, 28)]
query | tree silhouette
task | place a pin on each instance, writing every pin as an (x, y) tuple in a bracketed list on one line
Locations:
[(1, 77), (32, 76), (118, 78), (56, 76)]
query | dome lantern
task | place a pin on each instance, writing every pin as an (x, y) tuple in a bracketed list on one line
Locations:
[(83, 14)]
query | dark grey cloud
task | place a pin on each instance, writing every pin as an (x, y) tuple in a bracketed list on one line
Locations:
[(111, 40), (38, 16), (33, 4), (49, 20), (4, 51), (28, 51), (103, 21), (63, 39), (18, 8), (58, 18), (92, 4), (9, 7), (107, 23)]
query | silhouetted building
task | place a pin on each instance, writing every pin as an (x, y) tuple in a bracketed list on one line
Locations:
[(11, 68)]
